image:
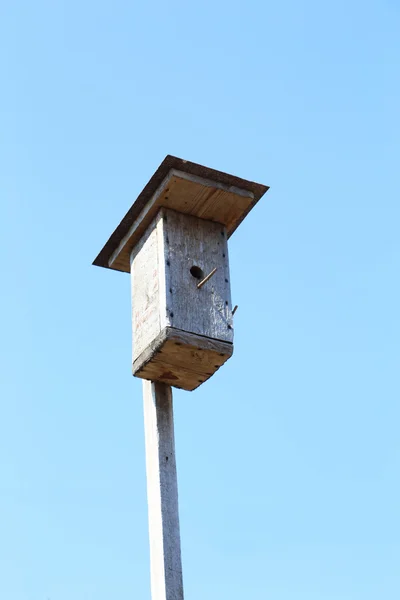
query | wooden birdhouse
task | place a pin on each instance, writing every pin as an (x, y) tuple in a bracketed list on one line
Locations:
[(173, 241)]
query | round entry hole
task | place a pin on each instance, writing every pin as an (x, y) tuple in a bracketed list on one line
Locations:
[(196, 272)]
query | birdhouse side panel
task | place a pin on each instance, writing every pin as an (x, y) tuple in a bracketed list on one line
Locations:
[(145, 281), (193, 248)]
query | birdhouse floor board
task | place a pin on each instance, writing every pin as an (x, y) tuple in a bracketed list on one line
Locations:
[(181, 359)]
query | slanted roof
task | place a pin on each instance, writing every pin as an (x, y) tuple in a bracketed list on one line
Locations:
[(185, 187)]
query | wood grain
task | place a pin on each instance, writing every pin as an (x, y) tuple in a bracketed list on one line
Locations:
[(181, 335), (181, 359), (190, 241), (137, 215), (146, 292), (162, 493), (190, 195)]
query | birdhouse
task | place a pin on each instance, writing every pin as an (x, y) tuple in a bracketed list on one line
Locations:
[(173, 242)]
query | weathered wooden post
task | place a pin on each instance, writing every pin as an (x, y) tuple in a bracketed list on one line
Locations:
[(173, 241)]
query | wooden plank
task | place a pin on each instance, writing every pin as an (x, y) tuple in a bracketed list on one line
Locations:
[(189, 194), (117, 259), (181, 359), (171, 375), (192, 242), (195, 353), (171, 165), (146, 292), (162, 493), (165, 285)]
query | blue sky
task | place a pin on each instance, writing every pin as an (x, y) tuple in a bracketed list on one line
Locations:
[(289, 457)]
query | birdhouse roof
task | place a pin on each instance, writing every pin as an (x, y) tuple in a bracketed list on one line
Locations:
[(187, 188)]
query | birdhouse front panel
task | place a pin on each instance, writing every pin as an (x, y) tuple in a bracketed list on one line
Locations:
[(182, 313), (193, 248)]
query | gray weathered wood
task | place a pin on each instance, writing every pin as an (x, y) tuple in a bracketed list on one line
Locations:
[(146, 292), (184, 360), (162, 493), (166, 298), (193, 242), (139, 225)]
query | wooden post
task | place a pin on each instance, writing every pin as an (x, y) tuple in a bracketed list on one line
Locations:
[(162, 493)]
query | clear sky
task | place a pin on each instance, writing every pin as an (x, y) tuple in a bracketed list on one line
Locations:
[(288, 459)]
